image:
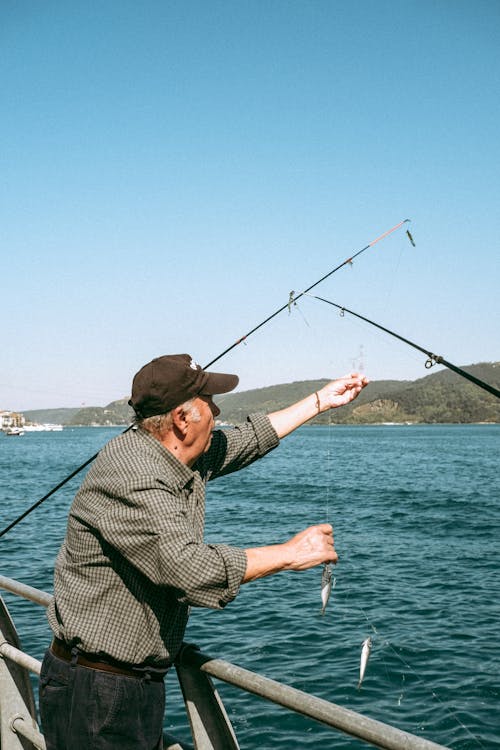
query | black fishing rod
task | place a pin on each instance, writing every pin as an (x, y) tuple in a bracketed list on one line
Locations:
[(291, 301), (45, 497), (432, 358)]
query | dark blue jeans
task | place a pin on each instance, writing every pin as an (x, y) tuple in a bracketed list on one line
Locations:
[(86, 709)]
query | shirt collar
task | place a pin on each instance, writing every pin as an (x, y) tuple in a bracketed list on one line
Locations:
[(180, 471)]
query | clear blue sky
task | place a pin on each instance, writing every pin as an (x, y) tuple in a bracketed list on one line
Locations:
[(169, 171)]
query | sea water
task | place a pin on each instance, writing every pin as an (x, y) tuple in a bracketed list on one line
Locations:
[(416, 514)]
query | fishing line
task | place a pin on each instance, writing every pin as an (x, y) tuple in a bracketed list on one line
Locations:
[(328, 580), (393, 276), (432, 360), (349, 608), (386, 642), (354, 608), (292, 303), (448, 711), (242, 339)]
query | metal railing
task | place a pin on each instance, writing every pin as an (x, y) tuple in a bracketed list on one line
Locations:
[(210, 725)]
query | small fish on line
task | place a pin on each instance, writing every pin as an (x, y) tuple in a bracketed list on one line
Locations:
[(365, 655), (326, 585)]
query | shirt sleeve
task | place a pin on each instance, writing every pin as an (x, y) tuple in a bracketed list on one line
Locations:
[(153, 529), (234, 448)]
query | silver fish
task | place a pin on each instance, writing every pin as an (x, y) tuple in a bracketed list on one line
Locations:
[(326, 585), (365, 655)]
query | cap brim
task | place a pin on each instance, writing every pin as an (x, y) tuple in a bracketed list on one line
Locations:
[(218, 382)]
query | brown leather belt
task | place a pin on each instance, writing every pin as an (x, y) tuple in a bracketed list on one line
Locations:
[(63, 651)]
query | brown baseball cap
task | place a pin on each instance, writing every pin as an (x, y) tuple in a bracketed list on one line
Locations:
[(168, 381)]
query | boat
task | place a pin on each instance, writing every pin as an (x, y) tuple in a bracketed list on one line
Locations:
[(14, 431)]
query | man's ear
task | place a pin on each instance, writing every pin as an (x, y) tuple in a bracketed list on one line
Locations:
[(179, 420)]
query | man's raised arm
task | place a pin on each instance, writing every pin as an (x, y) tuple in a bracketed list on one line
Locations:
[(334, 394)]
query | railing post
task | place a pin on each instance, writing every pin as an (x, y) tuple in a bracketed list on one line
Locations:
[(210, 725), (18, 727)]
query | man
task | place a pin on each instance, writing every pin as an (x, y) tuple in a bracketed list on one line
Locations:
[(134, 561)]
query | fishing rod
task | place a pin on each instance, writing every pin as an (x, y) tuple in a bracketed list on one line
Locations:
[(432, 358), (292, 300), (45, 497)]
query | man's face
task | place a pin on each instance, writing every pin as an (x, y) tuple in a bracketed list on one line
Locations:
[(202, 428)]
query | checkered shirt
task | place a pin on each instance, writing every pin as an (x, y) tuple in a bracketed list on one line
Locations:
[(134, 560)]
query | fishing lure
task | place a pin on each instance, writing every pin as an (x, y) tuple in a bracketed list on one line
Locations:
[(410, 237)]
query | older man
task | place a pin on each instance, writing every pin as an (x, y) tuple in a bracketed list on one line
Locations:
[(134, 560)]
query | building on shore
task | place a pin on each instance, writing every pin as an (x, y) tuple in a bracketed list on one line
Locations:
[(10, 419)]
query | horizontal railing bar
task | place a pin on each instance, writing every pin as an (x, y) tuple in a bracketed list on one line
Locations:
[(19, 657), (27, 592), (350, 722), (370, 730)]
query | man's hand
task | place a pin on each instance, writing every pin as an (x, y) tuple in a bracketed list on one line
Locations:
[(336, 393), (311, 547), (306, 549), (341, 392)]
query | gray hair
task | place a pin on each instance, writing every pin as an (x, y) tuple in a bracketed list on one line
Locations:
[(161, 424)]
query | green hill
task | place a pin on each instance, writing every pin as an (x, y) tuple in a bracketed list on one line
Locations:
[(117, 412), (52, 416), (439, 397)]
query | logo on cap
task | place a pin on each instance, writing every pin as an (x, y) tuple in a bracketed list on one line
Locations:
[(194, 366)]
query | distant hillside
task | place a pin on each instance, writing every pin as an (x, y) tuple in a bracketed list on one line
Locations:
[(439, 397), (51, 416), (235, 406), (117, 412)]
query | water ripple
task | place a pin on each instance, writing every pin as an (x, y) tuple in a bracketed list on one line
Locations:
[(417, 528)]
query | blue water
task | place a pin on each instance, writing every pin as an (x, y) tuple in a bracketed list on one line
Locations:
[(416, 511)]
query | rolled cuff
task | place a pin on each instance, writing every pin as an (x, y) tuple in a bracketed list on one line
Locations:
[(267, 437), (235, 561)]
